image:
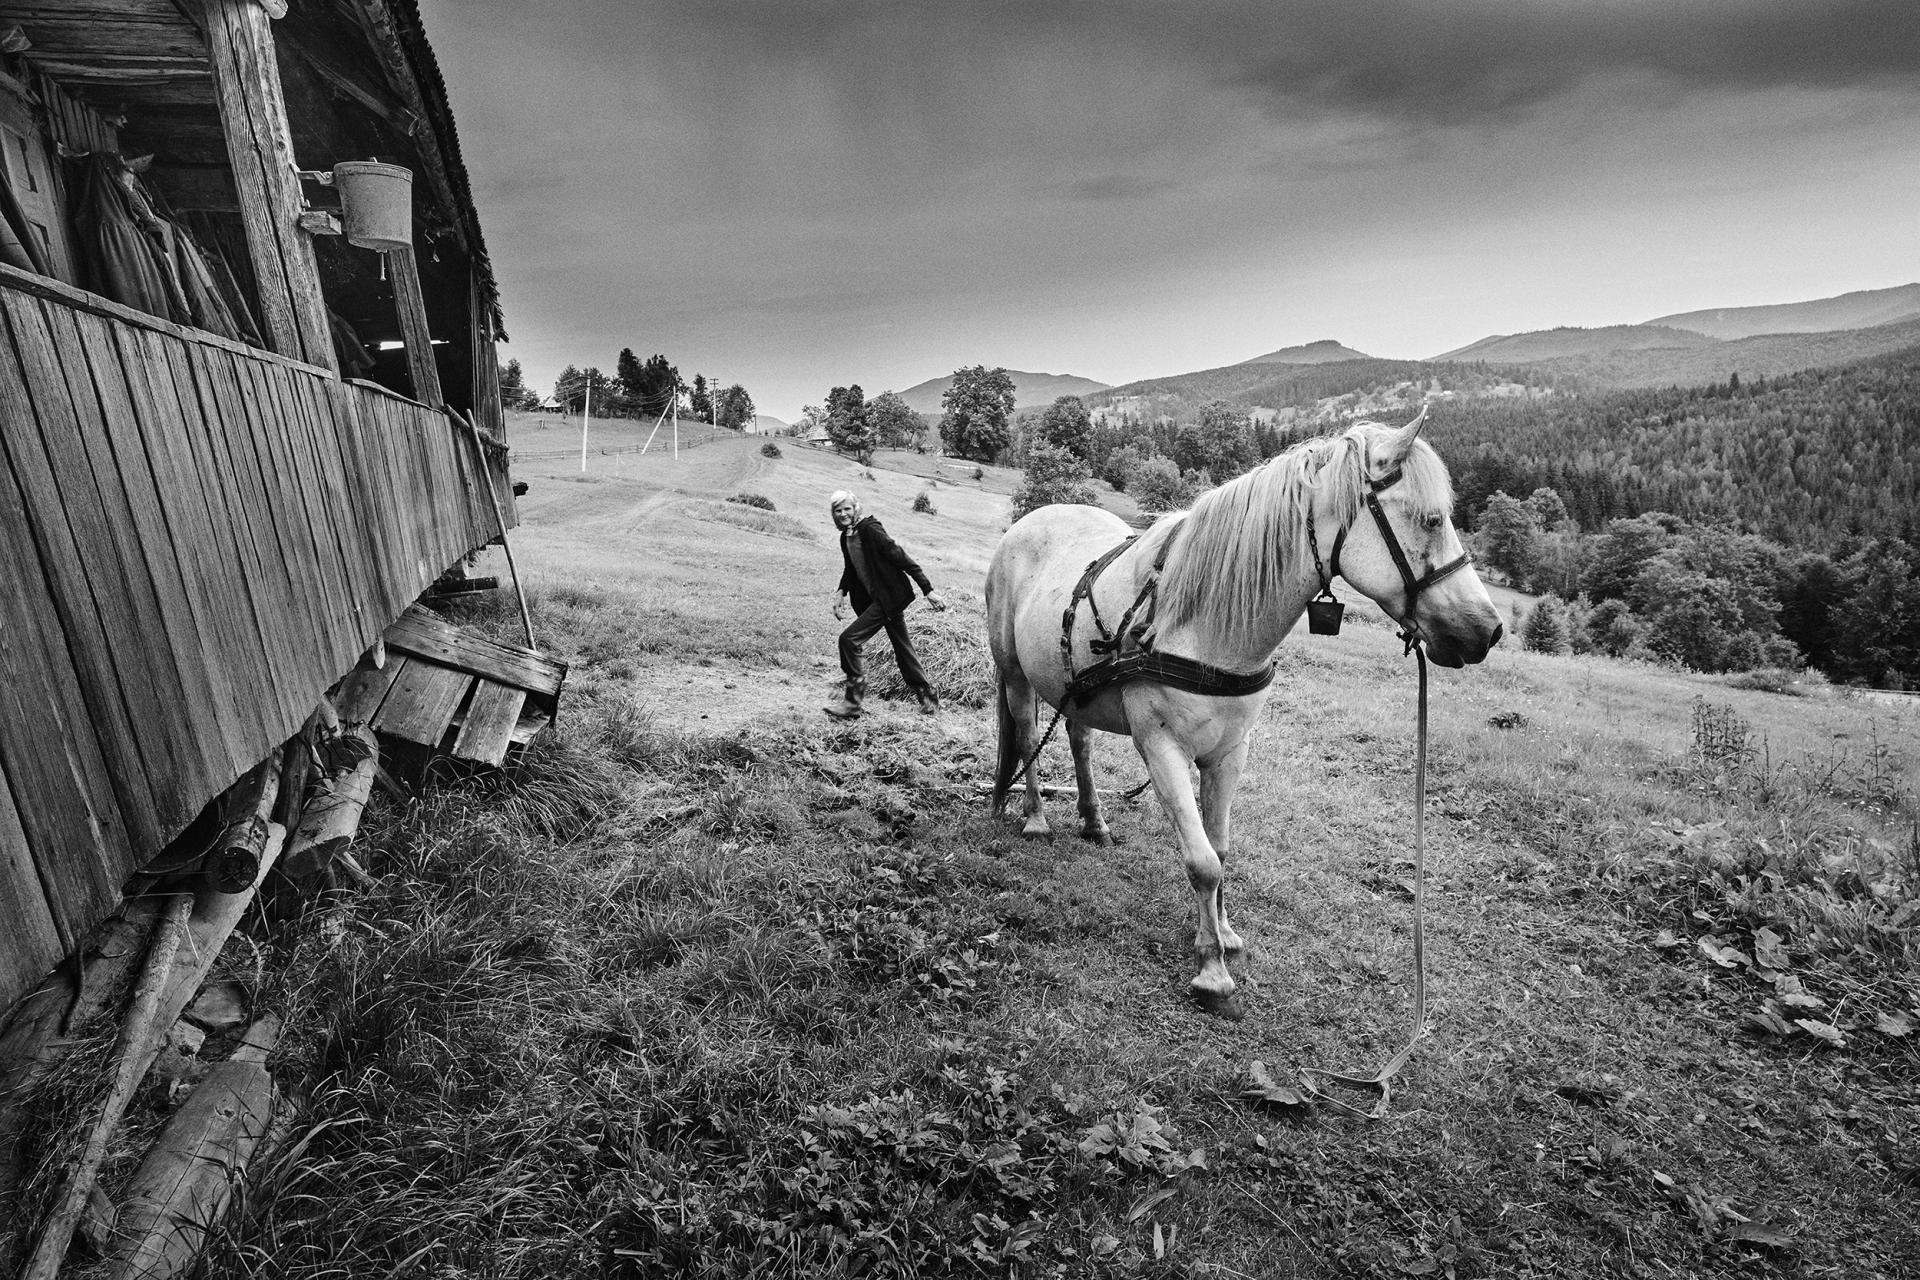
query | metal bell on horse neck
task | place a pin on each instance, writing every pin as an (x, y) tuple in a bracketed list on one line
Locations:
[(1324, 614)]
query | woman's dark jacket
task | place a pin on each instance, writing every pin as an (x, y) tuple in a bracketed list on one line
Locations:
[(887, 567)]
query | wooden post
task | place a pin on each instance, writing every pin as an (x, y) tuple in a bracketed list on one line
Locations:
[(332, 812), (411, 303), (212, 920), (184, 1183), (253, 112), (137, 1048), (40, 1037)]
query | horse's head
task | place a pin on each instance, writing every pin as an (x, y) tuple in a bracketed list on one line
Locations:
[(1401, 549)]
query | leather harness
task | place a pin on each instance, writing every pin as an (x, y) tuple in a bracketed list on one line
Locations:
[(1144, 662)]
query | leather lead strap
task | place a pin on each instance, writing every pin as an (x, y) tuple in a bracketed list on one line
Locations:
[(1311, 1077)]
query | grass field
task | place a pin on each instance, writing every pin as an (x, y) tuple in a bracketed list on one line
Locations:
[(712, 986)]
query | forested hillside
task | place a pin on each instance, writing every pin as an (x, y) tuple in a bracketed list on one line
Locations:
[(1808, 459)]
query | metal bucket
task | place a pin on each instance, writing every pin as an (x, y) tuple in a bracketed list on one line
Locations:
[(376, 204), (1323, 616)]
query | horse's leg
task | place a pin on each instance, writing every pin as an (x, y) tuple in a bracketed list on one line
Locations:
[(1218, 782), (1092, 826), (1007, 760), (1018, 734), (1166, 764)]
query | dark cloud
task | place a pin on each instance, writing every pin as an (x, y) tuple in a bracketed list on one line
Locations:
[(1489, 61)]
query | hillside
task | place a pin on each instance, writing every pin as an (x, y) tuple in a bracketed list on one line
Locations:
[(1030, 390), (1322, 352), (1863, 309), (1564, 343)]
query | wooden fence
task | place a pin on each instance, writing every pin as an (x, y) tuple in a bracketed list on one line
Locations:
[(197, 538)]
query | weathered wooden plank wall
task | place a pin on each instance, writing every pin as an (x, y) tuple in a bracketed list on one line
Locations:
[(196, 540)]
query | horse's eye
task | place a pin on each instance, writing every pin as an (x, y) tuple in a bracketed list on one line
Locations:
[(1432, 523)]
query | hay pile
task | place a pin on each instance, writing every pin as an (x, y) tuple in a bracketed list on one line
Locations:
[(953, 651)]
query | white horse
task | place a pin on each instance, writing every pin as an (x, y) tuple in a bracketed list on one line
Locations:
[(1195, 608)]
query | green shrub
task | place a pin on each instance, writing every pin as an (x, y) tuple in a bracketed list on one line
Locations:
[(1053, 475), (769, 450), (752, 500), (923, 503), (1546, 629)]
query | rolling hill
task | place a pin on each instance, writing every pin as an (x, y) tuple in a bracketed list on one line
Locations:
[(1564, 343), (1862, 309), (1030, 390), (1765, 355), (1322, 352)]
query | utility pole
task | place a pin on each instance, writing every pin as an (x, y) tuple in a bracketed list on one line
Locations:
[(586, 411)]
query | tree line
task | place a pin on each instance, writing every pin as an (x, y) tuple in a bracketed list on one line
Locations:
[(1810, 459), (638, 389)]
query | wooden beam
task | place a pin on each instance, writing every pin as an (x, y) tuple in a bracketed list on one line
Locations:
[(411, 303), (253, 113), (350, 87)]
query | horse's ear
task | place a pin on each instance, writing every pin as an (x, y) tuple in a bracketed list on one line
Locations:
[(1400, 444)]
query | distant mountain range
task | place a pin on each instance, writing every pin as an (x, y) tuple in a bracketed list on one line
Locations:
[(1696, 347), (1030, 390), (1863, 309), (1326, 381)]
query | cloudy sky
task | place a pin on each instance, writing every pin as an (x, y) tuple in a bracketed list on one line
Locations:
[(794, 194)]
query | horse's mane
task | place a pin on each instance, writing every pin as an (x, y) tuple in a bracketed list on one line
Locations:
[(1236, 548)]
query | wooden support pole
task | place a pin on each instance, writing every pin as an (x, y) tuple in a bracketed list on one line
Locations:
[(253, 114), (186, 1180), (137, 1047), (41, 1035), (411, 304), (212, 921), (500, 518)]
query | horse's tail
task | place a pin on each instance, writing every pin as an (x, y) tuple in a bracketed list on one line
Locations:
[(1008, 763)]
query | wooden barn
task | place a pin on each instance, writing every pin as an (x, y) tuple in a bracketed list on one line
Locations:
[(248, 413)]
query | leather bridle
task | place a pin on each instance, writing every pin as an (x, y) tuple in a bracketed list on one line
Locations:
[(1414, 586)]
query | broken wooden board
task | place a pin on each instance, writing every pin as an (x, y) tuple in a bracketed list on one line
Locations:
[(420, 632), (422, 701), (491, 717)]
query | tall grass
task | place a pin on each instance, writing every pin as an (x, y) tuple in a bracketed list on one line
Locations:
[(569, 1034)]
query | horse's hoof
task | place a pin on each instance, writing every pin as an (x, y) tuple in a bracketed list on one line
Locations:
[(1036, 829), (1220, 1004), (1104, 839)]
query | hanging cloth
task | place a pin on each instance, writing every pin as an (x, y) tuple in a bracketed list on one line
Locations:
[(121, 242)]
